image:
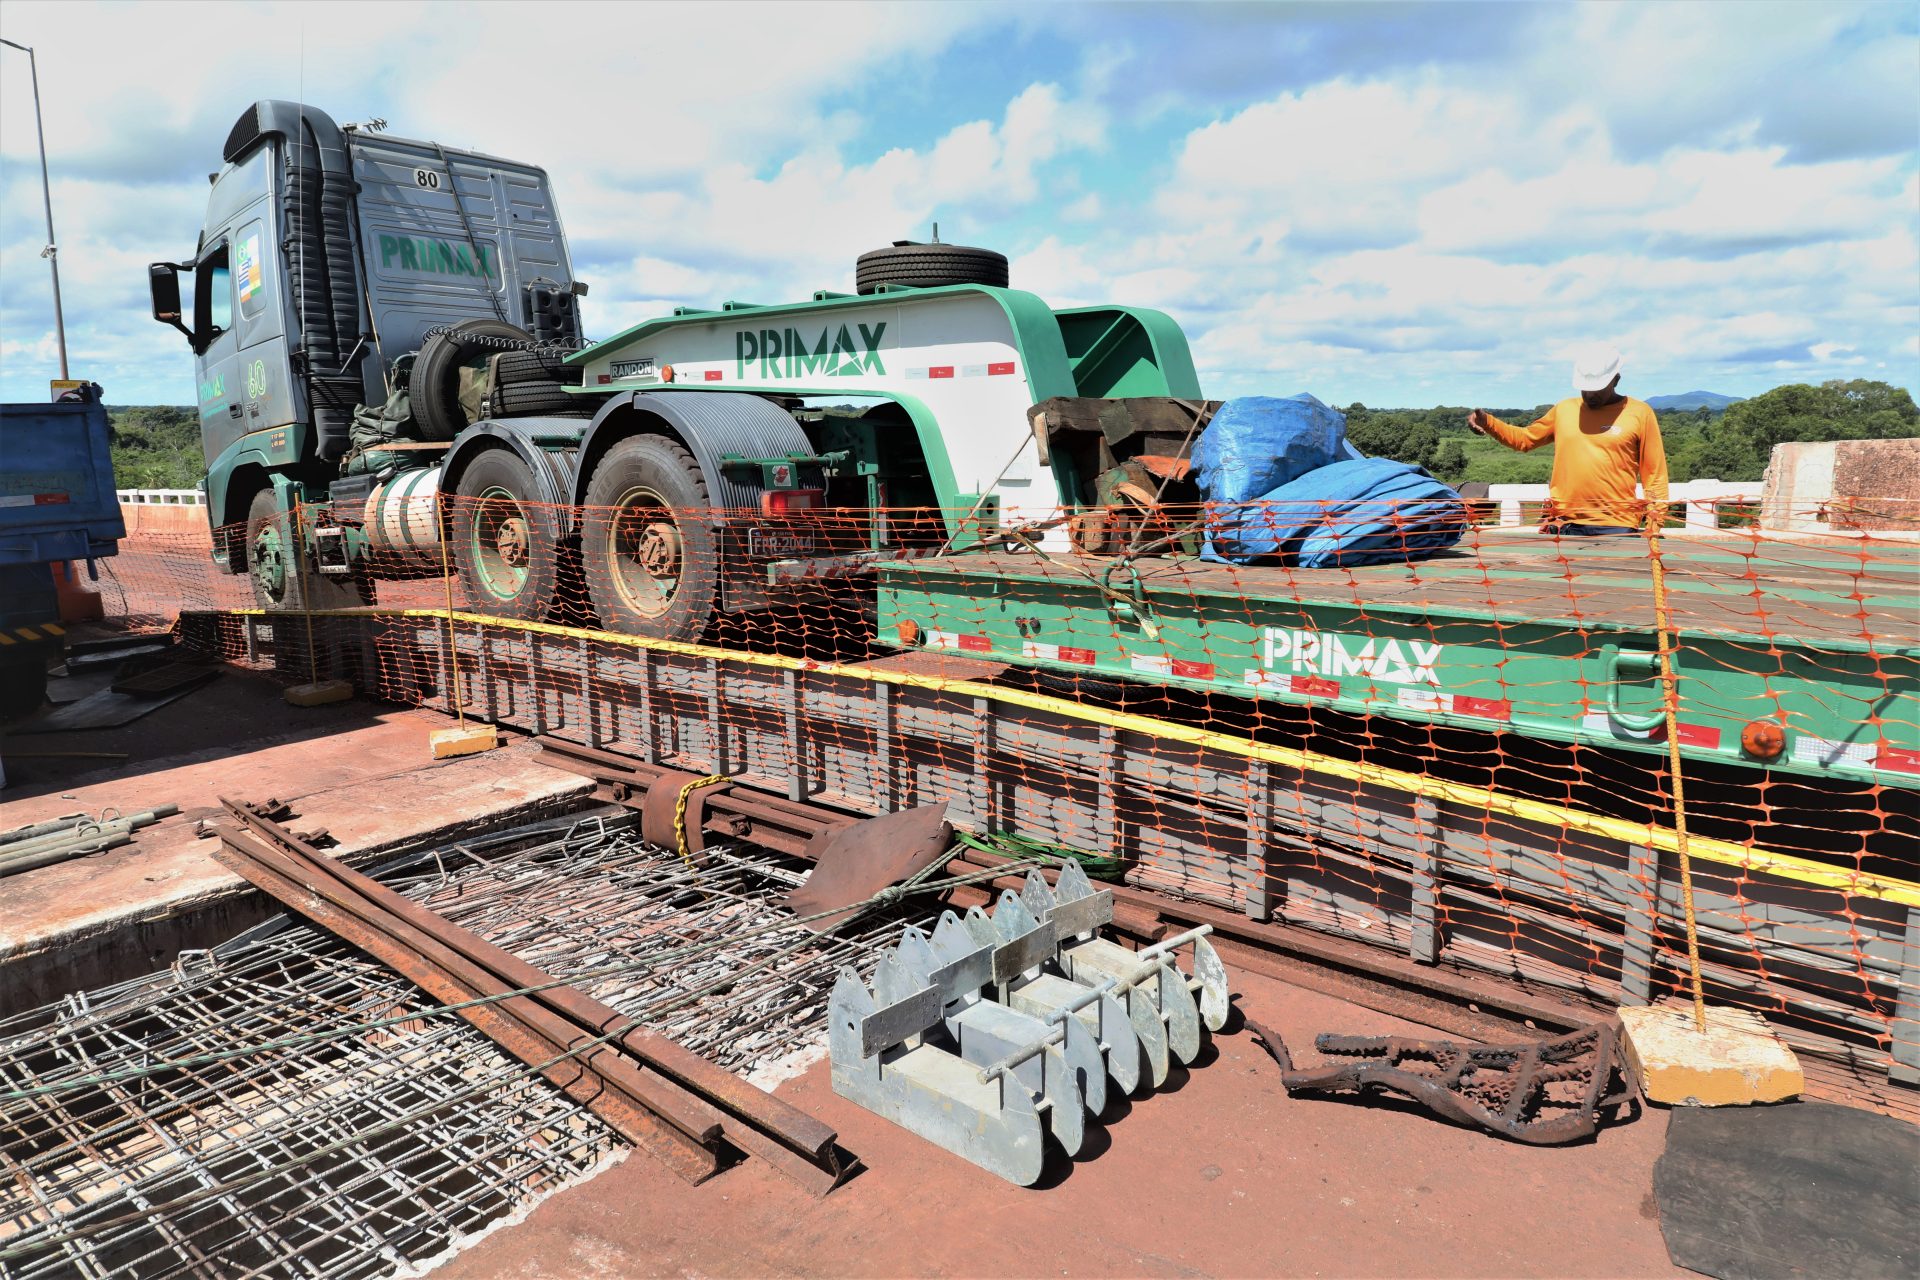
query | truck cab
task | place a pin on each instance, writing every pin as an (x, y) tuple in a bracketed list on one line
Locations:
[(329, 254)]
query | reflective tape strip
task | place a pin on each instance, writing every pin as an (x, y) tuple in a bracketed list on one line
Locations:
[(1314, 687), (712, 375), (53, 628), (954, 640), (1898, 759), (26, 633), (1160, 664), (997, 369), (1424, 700), (1826, 753), (7, 639)]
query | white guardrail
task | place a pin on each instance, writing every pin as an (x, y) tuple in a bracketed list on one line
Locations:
[(161, 497), (1702, 499)]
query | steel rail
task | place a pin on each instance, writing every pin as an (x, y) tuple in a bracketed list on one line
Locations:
[(715, 1099), (608, 1085), (1450, 990)]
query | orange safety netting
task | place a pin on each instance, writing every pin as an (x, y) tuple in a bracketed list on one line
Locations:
[(1465, 757)]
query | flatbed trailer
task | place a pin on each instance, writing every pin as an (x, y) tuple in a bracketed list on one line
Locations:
[(1514, 631)]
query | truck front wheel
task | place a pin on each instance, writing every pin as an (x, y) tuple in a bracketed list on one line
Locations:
[(283, 573), (651, 553), (506, 544), (274, 563)]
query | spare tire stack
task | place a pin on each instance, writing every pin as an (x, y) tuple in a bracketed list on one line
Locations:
[(929, 266), (525, 378)]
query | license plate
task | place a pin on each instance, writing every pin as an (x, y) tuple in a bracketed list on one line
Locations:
[(778, 544)]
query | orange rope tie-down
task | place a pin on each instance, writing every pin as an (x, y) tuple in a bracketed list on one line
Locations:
[(1670, 697)]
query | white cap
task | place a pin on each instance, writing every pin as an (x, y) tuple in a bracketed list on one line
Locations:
[(1595, 365)]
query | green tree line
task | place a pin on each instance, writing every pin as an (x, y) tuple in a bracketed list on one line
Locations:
[(158, 446), (155, 446), (1701, 444)]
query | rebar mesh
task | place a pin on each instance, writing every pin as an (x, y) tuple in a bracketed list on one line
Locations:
[(330, 1121)]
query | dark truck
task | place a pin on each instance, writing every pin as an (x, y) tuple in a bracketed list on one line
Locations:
[(388, 341), (57, 503)]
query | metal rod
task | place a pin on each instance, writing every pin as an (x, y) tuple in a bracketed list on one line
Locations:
[(52, 252)]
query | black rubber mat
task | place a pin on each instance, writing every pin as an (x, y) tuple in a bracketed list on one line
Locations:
[(1801, 1189)]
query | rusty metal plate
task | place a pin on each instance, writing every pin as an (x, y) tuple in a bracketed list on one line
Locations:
[(860, 860), (657, 810)]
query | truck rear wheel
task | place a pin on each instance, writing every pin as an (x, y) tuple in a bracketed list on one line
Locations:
[(651, 552), (506, 544)]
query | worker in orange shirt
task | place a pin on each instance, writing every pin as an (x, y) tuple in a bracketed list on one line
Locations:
[(1604, 443)]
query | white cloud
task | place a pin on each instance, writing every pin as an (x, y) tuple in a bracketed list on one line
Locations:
[(1371, 202)]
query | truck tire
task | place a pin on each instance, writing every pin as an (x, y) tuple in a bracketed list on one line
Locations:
[(524, 399), (284, 577), (274, 563), (511, 368), (23, 684), (928, 266), (435, 384), (651, 553), (506, 543)]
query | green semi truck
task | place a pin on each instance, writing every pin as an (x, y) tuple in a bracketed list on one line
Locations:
[(388, 342), (430, 290)]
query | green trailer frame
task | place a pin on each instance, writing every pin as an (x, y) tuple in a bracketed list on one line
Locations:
[(1520, 633)]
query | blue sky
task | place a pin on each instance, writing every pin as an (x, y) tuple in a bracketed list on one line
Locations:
[(1397, 204)]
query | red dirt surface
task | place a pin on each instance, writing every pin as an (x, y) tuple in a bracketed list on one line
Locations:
[(1220, 1174)]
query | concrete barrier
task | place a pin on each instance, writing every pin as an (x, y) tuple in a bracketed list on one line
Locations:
[(1840, 485)]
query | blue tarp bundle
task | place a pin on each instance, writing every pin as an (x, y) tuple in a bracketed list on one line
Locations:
[(1256, 444), (1281, 480)]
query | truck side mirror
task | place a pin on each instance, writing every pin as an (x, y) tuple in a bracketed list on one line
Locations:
[(163, 280)]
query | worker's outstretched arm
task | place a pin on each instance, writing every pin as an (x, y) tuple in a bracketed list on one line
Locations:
[(1653, 472), (1531, 436)]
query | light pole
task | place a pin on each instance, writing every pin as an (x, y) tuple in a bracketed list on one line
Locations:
[(52, 252)]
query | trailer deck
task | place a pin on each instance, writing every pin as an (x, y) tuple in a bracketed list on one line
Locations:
[(1550, 637)]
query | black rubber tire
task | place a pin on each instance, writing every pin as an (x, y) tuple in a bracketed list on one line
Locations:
[(273, 563), (303, 586), (928, 266), (510, 571), (511, 368), (656, 471), (435, 385), (524, 399), (23, 684)]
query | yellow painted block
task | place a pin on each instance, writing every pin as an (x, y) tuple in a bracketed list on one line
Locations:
[(1737, 1060), (448, 743), (319, 693)]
